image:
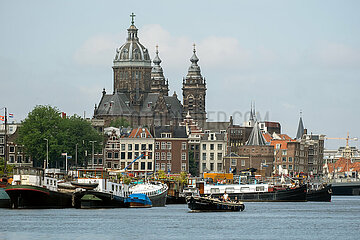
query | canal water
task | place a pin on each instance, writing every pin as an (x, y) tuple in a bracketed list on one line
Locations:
[(339, 219)]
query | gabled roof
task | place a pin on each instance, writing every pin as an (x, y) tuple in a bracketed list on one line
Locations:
[(176, 131), (140, 133), (230, 155), (114, 104)]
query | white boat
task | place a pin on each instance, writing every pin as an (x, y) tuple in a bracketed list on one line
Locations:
[(156, 191), (95, 190)]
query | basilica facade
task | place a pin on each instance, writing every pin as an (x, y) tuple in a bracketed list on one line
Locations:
[(141, 92)]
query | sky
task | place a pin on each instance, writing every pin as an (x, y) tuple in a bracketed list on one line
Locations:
[(286, 56)]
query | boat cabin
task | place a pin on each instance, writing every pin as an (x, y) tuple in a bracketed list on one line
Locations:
[(235, 188), (33, 176)]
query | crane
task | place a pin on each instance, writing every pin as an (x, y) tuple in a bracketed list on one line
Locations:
[(347, 139)]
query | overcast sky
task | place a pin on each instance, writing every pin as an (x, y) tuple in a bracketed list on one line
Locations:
[(286, 56)]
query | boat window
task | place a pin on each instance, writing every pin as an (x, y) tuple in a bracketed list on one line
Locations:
[(112, 187), (214, 190), (244, 189), (260, 188), (230, 190)]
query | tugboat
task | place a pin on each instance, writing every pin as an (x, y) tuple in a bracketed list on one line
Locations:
[(319, 193), (209, 204)]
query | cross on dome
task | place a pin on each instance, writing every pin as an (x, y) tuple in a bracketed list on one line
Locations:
[(132, 18)]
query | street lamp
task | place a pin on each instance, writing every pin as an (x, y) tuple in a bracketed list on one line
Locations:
[(47, 153), (92, 158)]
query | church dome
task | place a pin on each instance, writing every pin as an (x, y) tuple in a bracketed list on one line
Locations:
[(132, 52)]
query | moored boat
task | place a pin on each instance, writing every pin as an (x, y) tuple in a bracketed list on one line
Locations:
[(95, 190), (319, 194), (346, 188), (4, 199), (156, 191), (197, 203), (256, 192), (32, 189), (138, 200)]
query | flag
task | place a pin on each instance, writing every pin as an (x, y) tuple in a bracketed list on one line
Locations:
[(69, 157), (63, 154), (2, 118), (11, 115)]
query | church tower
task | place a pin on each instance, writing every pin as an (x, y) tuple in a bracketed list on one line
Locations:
[(194, 91), (132, 69), (158, 83)]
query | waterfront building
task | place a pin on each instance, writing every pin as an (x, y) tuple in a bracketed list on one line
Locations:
[(212, 151), (16, 156), (121, 150), (171, 153)]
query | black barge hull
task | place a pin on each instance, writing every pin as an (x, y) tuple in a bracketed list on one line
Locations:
[(205, 204), (26, 196), (320, 195)]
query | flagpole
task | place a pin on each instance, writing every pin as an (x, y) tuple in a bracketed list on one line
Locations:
[(5, 144)]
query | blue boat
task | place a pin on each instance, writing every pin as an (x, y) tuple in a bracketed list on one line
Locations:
[(138, 200)]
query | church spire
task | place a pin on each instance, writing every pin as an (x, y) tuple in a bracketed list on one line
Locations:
[(300, 130), (158, 83), (256, 138)]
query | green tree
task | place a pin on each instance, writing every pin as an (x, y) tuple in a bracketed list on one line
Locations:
[(119, 122), (193, 168), (45, 122), (9, 168)]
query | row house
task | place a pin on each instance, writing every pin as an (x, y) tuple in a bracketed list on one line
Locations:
[(212, 151), (120, 151), (15, 153), (171, 149)]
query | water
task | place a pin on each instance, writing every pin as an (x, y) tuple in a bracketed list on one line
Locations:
[(305, 220)]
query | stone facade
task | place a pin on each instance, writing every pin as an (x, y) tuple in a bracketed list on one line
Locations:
[(212, 152)]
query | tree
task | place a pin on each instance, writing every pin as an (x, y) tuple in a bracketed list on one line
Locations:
[(193, 168), (119, 122), (45, 122), (9, 168)]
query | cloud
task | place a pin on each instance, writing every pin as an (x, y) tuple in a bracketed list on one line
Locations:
[(97, 51), (337, 55)]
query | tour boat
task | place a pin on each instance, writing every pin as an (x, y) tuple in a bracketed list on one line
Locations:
[(156, 191), (95, 190), (36, 188), (259, 192), (197, 203)]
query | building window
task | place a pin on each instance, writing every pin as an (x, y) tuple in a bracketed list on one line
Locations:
[(219, 156), (157, 156), (143, 147), (183, 167), (204, 146), (95, 161), (278, 146), (19, 158), (290, 167), (11, 149), (157, 166), (284, 152), (219, 167), (183, 146), (284, 159), (122, 147), (109, 164), (290, 159), (211, 166), (1, 140), (204, 167), (169, 156), (163, 166), (211, 156), (183, 156), (163, 145), (157, 145), (129, 155), (100, 161), (142, 165), (169, 145), (109, 155), (242, 162), (122, 155), (1, 150), (129, 147), (116, 155), (211, 146), (233, 162), (149, 166), (136, 147), (150, 155), (150, 146), (284, 166), (163, 156), (219, 147), (204, 156), (169, 167)]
